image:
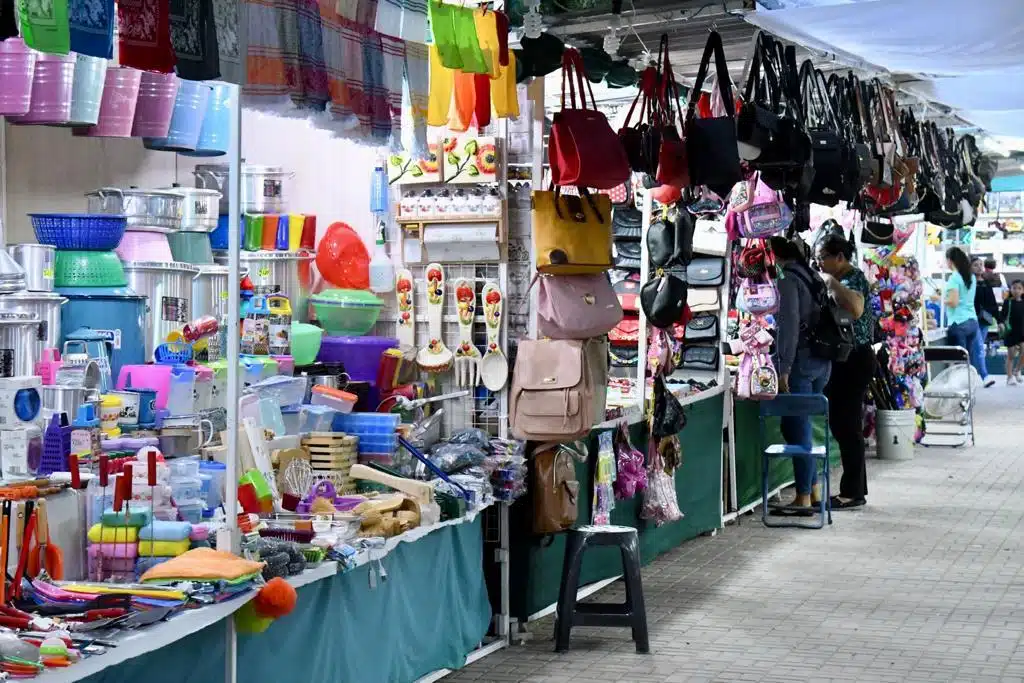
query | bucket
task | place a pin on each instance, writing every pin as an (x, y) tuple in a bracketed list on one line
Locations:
[(186, 121), (117, 111), (216, 130), (894, 431), (191, 247), (155, 105), (87, 91), (52, 84), (17, 65), (124, 314)]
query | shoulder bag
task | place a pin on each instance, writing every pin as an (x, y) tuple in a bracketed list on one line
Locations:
[(672, 165), (829, 185), (572, 235), (576, 306), (555, 489), (663, 300), (707, 271), (670, 240), (642, 140)]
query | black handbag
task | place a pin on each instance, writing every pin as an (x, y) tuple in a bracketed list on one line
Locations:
[(829, 186), (702, 328), (711, 151), (642, 140), (667, 415), (663, 300), (626, 255), (627, 224), (860, 163), (879, 233), (627, 290), (701, 358), (670, 240), (623, 356), (708, 271)]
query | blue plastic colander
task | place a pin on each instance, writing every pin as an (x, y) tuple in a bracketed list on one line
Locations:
[(79, 231)]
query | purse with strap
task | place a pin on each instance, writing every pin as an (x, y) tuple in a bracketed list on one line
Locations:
[(829, 185), (576, 306), (572, 235), (552, 395), (583, 150), (642, 140), (664, 300), (672, 165), (555, 489)]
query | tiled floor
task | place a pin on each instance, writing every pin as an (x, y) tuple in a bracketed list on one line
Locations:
[(925, 584)]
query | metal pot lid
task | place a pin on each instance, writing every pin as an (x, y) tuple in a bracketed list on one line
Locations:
[(209, 269), (161, 265), (132, 192), (26, 296), (33, 245), (276, 255), (12, 287), (18, 317), (193, 192)]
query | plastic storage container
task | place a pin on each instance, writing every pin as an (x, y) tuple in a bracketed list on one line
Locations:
[(285, 391), (217, 472), (339, 400), (360, 355), (191, 511), (346, 312), (184, 468), (180, 395)]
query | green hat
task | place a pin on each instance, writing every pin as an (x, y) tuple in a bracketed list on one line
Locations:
[(596, 63), (621, 75), (541, 56)]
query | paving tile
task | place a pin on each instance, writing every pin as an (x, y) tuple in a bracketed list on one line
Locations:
[(925, 584)]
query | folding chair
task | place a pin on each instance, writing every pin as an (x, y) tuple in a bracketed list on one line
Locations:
[(795, 405), (947, 423)]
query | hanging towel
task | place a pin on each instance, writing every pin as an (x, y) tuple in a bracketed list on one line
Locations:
[(461, 116), (394, 69), (442, 83), (389, 18), (467, 41), (503, 91), (266, 85), (92, 27), (377, 118), (144, 35), (442, 25), (487, 33), (501, 29), (348, 108), (313, 93), (194, 37), (482, 106), (8, 20), (225, 17), (44, 25), (417, 81)]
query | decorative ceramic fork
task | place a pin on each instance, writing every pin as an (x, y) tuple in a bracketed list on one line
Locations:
[(467, 356)]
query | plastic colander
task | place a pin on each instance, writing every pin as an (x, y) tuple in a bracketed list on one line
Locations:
[(89, 269), (346, 312)]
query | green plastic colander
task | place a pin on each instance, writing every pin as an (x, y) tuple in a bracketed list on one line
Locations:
[(89, 269), (346, 312)]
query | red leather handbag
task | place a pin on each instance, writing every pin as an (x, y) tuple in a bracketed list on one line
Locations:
[(673, 168), (583, 150)]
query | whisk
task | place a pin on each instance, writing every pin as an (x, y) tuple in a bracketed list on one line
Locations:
[(298, 476)]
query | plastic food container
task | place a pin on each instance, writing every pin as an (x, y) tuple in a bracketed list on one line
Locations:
[(339, 400), (346, 312), (360, 355), (110, 412)]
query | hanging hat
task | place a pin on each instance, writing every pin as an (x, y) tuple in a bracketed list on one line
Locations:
[(596, 63), (621, 75), (542, 55)]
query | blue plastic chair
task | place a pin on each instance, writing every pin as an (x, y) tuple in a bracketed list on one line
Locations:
[(795, 405)]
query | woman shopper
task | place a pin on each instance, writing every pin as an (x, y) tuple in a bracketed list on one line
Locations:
[(848, 385), (961, 318), (800, 372)]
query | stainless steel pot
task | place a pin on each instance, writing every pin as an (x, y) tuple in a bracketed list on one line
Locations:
[(46, 305), (145, 209), (281, 272), (210, 292), (18, 332), (69, 399), (38, 261), (263, 187), (200, 208), (168, 287)]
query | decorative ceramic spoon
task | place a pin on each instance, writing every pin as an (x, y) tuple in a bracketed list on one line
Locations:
[(435, 357), (467, 356), (494, 366), (405, 331)]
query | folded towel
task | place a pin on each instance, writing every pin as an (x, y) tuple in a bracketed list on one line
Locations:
[(113, 534), (204, 564), (165, 531), (163, 548), (121, 550), (200, 532), (135, 516)]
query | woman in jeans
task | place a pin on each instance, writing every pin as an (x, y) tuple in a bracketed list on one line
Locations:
[(800, 372), (961, 318), (848, 385)]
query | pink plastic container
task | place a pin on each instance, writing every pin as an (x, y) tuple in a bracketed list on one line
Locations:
[(17, 66), (144, 246), (117, 108), (52, 84), (155, 105), (155, 377)]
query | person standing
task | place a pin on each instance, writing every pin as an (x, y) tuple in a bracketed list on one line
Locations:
[(986, 304), (1013, 332), (800, 371), (848, 385), (962, 320)]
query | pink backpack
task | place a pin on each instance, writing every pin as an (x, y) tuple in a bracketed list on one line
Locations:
[(757, 379), (765, 213)]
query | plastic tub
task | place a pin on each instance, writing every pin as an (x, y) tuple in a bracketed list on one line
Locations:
[(52, 85), (17, 67), (361, 424), (346, 312), (184, 468), (155, 105), (359, 355), (339, 400), (187, 488), (149, 376), (306, 341), (286, 391), (292, 422), (191, 511), (117, 109)]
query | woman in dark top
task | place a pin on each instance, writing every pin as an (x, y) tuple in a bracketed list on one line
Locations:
[(848, 385), (985, 304)]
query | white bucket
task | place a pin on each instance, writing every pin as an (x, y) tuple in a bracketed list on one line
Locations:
[(894, 430)]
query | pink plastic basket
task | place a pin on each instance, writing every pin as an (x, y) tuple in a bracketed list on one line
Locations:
[(17, 66), (144, 246), (155, 105), (52, 84), (118, 106)]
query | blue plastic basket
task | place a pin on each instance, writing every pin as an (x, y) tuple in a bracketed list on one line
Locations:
[(79, 231), (172, 353)]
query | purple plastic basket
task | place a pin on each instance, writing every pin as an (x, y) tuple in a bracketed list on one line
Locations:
[(360, 355), (56, 448)]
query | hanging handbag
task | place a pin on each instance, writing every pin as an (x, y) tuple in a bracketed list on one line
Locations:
[(667, 415), (755, 259), (630, 473), (551, 398), (642, 140), (829, 185), (861, 164), (576, 306), (672, 165), (623, 356), (572, 235), (701, 358), (555, 489), (711, 151), (664, 300), (758, 296), (878, 233), (702, 328), (703, 300), (707, 271), (583, 150), (766, 214), (757, 379), (626, 333), (627, 224), (627, 290), (670, 240)]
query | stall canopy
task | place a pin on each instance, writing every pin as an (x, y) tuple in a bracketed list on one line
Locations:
[(966, 55)]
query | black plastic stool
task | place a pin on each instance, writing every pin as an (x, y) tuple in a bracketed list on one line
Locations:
[(631, 614)]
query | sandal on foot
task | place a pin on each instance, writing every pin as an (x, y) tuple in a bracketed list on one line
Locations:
[(839, 504)]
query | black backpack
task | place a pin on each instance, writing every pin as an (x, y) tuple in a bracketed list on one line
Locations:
[(830, 333)]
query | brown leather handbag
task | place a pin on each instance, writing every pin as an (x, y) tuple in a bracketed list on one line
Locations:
[(555, 489)]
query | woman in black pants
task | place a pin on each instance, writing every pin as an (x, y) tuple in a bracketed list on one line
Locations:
[(848, 385)]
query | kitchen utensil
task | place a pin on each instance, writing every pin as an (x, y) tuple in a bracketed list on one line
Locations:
[(117, 108), (47, 559), (346, 312), (52, 85), (38, 262), (155, 106), (494, 366), (97, 346), (186, 119), (87, 231), (46, 305), (435, 357), (68, 399), (151, 210), (406, 326), (17, 66), (89, 269), (30, 525), (467, 356), (215, 132), (200, 209)]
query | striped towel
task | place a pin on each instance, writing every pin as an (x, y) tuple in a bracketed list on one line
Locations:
[(414, 21), (313, 92), (417, 80), (225, 18), (394, 71), (376, 119), (268, 84), (389, 18), (338, 35)]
